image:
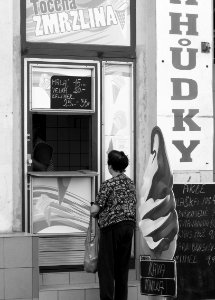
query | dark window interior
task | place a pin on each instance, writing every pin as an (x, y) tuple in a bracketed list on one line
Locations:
[(70, 138)]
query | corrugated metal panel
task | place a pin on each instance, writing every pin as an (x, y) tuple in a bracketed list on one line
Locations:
[(61, 250)]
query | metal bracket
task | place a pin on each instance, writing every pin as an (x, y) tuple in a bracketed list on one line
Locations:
[(205, 47), (28, 137), (29, 160)]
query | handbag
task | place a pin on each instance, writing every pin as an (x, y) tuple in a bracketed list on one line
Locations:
[(91, 248)]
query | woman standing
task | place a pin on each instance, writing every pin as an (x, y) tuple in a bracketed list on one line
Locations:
[(115, 207)]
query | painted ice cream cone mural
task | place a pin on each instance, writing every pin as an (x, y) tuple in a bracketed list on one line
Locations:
[(158, 216)]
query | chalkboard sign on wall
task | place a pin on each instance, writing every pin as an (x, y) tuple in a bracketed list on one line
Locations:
[(195, 252), (157, 277), (71, 92)]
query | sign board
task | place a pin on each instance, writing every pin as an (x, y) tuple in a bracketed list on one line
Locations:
[(95, 22), (71, 92), (184, 81), (195, 252), (157, 277)]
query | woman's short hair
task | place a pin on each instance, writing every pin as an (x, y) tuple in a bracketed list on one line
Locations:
[(118, 160)]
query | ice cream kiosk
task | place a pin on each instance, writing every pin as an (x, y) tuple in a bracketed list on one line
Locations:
[(79, 102), (61, 101)]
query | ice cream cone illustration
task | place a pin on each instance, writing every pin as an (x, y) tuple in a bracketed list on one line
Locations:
[(110, 147), (44, 82), (43, 205), (115, 90), (63, 184), (121, 14), (117, 83), (119, 122), (121, 6), (158, 216)]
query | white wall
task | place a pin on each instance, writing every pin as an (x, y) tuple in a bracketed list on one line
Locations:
[(146, 113), (10, 149)]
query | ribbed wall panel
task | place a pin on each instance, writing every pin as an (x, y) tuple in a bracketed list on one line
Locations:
[(61, 250)]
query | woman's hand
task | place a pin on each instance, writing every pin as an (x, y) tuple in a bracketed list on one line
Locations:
[(94, 210)]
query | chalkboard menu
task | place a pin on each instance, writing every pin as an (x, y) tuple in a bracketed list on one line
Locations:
[(71, 92), (157, 277), (195, 252)]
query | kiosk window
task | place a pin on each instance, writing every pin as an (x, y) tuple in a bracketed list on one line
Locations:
[(62, 89)]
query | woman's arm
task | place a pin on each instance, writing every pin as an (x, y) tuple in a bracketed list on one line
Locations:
[(38, 166), (42, 156)]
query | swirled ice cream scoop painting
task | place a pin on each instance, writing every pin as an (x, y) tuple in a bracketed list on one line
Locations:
[(158, 216)]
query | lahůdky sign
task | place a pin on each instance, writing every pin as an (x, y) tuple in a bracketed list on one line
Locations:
[(185, 102), (104, 22)]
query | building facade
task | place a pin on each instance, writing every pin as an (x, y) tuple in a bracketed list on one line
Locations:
[(139, 64)]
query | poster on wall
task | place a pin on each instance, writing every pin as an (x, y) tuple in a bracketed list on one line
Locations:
[(60, 205), (184, 82), (118, 109), (95, 22)]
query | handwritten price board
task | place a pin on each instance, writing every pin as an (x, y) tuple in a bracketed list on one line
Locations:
[(157, 277), (195, 252), (71, 92)]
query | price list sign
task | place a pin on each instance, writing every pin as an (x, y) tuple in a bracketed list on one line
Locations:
[(71, 92), (195, 252)]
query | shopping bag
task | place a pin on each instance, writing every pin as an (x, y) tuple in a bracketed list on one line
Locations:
[(91, 248)]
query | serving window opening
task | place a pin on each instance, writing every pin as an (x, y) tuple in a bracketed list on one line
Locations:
[(65, 142)]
